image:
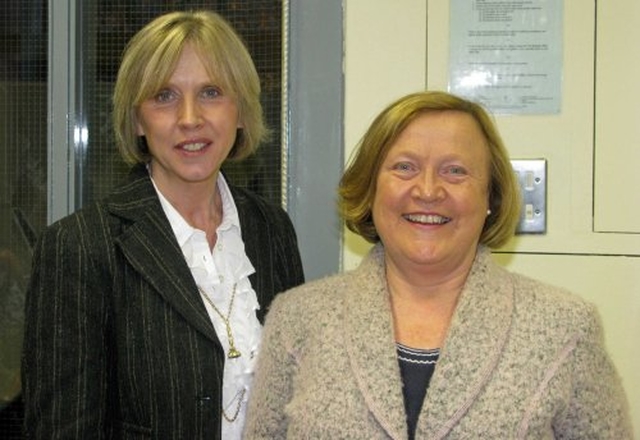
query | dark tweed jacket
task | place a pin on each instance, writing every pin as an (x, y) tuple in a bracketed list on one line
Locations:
[(118, 343)]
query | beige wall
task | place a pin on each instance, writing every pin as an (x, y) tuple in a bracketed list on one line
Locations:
[(387, 55)]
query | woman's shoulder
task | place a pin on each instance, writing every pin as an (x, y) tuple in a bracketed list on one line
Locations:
[(552, 302), (76, 222), (301, 315), (100, 219), (313, 301), (325, 301), (529, 293), (246, 199), (544, 292), (316, 293), (258, 213)]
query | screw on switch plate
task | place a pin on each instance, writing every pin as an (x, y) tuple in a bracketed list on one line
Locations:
[(532, 176)]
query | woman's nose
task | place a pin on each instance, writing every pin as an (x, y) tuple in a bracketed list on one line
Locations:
[(190, 115), (428, 187)]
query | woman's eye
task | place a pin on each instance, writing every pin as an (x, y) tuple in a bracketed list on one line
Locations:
[(456, 170), (165, 95), (403, 166), (211, 92)]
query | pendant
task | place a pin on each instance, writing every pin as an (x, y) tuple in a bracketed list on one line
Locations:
[(233, 353)]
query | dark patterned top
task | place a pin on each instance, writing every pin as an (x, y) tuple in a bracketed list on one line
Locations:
[(416, 368)]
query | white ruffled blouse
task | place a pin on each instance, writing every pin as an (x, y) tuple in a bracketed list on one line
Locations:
[(216, 272)]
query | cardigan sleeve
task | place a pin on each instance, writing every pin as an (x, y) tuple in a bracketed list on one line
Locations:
[(273, 383), (64, 356), (598, 407)]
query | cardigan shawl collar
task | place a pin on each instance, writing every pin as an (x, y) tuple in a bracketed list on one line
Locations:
[(478, 332)]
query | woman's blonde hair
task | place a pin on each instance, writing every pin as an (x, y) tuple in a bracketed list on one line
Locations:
[(357, 187), (150, 59)]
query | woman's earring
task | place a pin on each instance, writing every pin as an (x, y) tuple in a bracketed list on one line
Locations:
[(488, 212)]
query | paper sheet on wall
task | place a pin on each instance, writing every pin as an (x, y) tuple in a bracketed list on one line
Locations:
[(507, 54)]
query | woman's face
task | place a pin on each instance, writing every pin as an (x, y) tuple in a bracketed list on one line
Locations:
[(190, 125), (432, 194)]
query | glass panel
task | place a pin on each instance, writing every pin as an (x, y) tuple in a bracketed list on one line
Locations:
[(23, 172), (107, 25)]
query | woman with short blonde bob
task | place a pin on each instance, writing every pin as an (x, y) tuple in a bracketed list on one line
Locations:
[(150, 60), (143, 317), (429, 338)]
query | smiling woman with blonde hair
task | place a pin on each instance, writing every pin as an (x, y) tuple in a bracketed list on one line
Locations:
[(143, 317), (429, 338)]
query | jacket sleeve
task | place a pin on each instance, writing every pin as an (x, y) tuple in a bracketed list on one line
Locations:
[(286, 247), (64, 354), (598, 407)]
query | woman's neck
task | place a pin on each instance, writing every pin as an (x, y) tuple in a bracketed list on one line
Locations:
[(200, 204), (423, 304)]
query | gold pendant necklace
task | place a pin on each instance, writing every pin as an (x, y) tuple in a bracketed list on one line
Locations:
[(233, 351)]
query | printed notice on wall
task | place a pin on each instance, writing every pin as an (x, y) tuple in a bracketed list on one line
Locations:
[(507, 54)]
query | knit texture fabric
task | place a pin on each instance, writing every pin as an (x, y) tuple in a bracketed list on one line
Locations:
[(521, 359)]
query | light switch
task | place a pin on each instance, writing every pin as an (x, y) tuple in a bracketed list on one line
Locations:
[(532, 177)]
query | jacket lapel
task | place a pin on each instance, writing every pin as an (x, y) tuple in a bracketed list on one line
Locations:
[(149, 245), (371, 346), (257, 247), (472, 349)]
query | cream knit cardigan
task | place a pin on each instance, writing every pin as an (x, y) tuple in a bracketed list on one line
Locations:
[(521, 360)]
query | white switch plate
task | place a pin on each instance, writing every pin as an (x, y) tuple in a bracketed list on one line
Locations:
[(532, 176)]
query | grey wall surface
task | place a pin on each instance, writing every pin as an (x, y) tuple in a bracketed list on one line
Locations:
[(315, 130)]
